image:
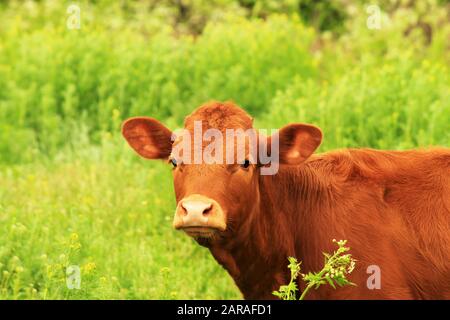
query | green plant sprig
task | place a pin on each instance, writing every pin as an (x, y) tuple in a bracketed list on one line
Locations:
[(288, 292), (336, 268)]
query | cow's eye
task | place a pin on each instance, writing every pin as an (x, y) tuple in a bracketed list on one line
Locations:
[(246, 164), (174, 162)]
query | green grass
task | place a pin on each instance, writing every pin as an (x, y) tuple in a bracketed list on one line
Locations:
[(73, 193), (121, 214)]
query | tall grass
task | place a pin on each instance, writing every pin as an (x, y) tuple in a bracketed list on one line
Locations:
[(113, 221), (56, 82), (396, 105)]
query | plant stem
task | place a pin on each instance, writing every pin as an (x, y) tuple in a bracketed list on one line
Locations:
[(305, 291), (309, 286)]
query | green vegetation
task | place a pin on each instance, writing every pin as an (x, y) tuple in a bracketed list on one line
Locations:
[(73, 193), (334, 272)]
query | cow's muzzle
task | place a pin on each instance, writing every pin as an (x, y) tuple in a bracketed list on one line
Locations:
[(199, 216)]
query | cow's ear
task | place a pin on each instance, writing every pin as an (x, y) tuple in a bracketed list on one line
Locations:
[(148, 137), (297, 142)]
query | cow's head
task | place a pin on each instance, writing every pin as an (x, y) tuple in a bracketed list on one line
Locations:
[(215, 196)]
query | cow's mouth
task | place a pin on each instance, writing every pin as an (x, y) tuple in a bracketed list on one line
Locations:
[(200, 232)]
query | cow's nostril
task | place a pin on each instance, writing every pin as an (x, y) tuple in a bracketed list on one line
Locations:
[(183, 210), (207, 210)]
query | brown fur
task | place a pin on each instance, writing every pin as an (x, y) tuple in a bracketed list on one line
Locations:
[(393, 208), (220, 116)]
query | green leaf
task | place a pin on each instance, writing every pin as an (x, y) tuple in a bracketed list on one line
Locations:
[(330, 282)]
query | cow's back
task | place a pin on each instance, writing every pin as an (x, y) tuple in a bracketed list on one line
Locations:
[(395, 208)]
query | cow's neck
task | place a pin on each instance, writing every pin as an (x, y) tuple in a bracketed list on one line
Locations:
[(256, 258)]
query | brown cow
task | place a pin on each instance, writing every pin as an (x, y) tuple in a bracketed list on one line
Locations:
[(393, 208)]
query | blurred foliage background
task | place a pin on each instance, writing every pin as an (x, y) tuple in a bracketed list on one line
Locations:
[(72, 192)]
